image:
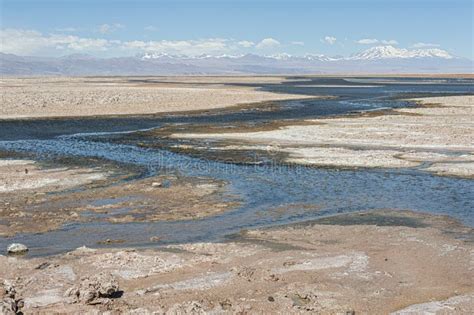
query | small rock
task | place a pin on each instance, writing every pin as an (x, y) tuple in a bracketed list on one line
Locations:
[(247, 273), (95, 289), (109, 241), (189, 307), (43, 265), (10, 303), (226, 305), (156, 184), (271, 299), (17, 248), (272, 277)]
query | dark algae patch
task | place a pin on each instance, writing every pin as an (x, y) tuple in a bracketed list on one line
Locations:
[(373, 218)]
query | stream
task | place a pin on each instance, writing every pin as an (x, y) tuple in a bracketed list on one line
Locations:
[(304, 193)]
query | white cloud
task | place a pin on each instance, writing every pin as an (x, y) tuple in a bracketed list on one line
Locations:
[(298, 43), (150, 28), (268, 43), (24, 42), (31, 42), (109, 28), (371, 41), (246, 43), (367, 41), (424, 45), (183, 47), (331, 40)]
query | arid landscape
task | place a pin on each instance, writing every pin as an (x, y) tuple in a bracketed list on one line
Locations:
[(73, 97), (189, 216), (399, 138), (400, 263), (236, 157)]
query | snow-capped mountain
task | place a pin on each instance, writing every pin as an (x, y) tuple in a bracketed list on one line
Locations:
[(319, 57), (380, 59), (374, 53), (156, 55), (390, 52)]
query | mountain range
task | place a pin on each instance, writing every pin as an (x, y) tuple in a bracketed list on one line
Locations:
[(380, 59)]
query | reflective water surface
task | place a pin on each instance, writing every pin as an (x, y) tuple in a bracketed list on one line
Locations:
[(270, 194)]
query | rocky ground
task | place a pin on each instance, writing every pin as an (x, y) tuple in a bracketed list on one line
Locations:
[(375, 262), (79, 97), (435, 136)]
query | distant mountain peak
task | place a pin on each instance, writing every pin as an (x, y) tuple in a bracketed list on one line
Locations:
[(390, 52), (158, 63)]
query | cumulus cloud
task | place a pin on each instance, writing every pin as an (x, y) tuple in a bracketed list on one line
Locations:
[(371, 41), (268, 43), (24, 42), (182, 47), (32, 42), (109, 28), (424, 45), (367, 41), (331, 40)]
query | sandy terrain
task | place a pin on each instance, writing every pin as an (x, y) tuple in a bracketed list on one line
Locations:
[(67, 97), (436, 135), (26, 198), (407, 263)]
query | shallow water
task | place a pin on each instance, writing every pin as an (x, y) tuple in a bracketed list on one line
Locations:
[(271, 194)]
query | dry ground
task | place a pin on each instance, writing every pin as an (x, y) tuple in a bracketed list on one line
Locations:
[(78, 97), (437, 134), (407, 263)]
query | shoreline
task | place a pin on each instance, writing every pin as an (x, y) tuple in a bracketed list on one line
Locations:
[(399, 138), (75, 194), (49, 98), (310, 267)]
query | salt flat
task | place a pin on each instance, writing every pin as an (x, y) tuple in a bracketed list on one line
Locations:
[(438, 132), (80, 97)]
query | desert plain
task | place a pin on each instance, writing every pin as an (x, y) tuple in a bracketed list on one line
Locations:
[(375, 261)]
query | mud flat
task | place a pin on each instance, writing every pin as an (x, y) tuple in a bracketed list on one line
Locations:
[(23, 183), (80, 97), (436, 136), (25, 175), (30, 193), (370, 262)]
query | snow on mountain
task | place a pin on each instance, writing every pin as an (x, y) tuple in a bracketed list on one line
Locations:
[(381, 59), (319, 57), (282, 56), (157, 55), (390, 52), (374, 53)]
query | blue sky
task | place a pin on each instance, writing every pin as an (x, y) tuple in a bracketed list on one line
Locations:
[(121, 27)]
